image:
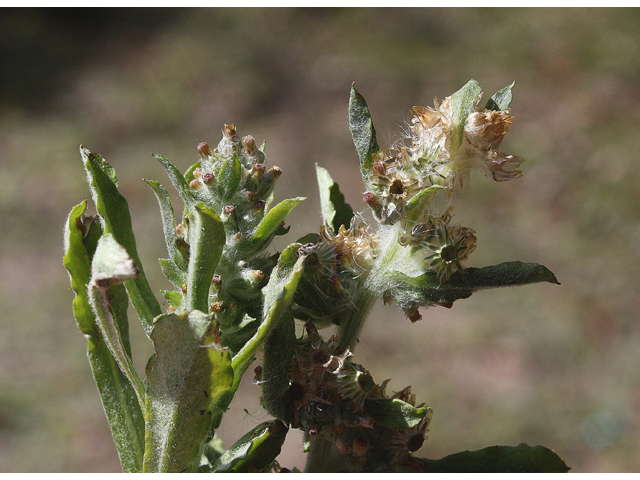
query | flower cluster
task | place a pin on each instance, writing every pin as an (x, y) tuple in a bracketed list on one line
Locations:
[(331, 396), (446, 143)]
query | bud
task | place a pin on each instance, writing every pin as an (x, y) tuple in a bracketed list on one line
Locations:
[(195, 183), (208, 178), (259, 206), (249, 144), (204, 150), (379, 168), (273, 174), (229, 131)]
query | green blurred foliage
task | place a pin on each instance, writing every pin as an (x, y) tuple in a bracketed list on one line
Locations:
[(543, 364)]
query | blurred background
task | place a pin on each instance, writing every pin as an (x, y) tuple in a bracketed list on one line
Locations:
[(541, 364)]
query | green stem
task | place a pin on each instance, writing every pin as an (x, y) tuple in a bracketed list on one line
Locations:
[(374, 283), (323, 455)]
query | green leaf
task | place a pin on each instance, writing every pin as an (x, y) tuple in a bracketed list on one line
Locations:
[(255, 451), (114, 213), (362, 132), (270, 224), (178, 181), (110, 267), (77, 261), (230, 174), (278, 352), (501, 100), (463, 102), (175, 299), (335, 211), (207, 240), (499, 459), (187, 377), (175, 275), (118, 396), (278, 295), (168, 223), (423, 196), (188, 175), (394, 413), (425, 289)]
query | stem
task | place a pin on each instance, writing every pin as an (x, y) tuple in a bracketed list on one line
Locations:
[(374, 283), (350, 329), (323, 455)]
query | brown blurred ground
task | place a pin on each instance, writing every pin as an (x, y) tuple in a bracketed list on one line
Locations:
[(543, 364)]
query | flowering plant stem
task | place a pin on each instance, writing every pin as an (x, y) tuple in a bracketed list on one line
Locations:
[(231, 298)]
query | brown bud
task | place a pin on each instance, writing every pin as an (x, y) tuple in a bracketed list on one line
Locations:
[(249, 144), (197, 172), (274, 172), (379, 168), (204, 150), (184, 288), (229, 210), (259, 205), (208, 178), (371, 200), (258, 169), (229, 131), (194, 184)]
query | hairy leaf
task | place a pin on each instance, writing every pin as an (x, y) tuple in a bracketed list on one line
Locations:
[(174, 274), (114, 213), (110, 267), (116, 392), (255, 451), (206, 240), (178, 181), (499, 459), (463, 102), (168, 223), (501, 100), (269, 225), (335, 211), (363, 133), (278, 295), (394, 413), (230, 175), (187, 376), (425, 289)]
